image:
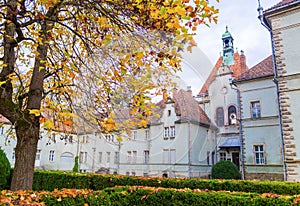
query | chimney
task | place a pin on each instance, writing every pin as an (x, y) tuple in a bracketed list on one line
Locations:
[(189, 89), (243, 62)]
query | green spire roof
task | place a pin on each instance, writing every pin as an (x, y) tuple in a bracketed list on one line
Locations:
[(226, 34)]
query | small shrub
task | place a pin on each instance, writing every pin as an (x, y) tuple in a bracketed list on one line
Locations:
[(225, 170), (4, 170), (75, 168)]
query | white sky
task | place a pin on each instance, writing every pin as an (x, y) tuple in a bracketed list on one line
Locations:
[(249, 35)]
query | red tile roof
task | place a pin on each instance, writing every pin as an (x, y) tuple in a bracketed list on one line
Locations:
[(282, 3), (188, 108), (238, 68), (3, 119), (262, 69)]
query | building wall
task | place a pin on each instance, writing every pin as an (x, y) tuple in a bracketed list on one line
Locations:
[(104, 153), (264, 130), (286, 28)]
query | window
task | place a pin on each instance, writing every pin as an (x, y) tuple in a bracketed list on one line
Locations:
[(220, 116), (100, 157), (145, 174), (132, 173), (134, 135), (147, 134), (169, 156), (165, 156), (169, 113), (172, 134), (116, 158), (146, 156), (232, 115), (85, 139), (207, 157), (2, 130), (109, 138), (259, 156), (128, 156), (51, 156), (83, 157), (169, 132), (134, 156), (166, 133), (255, 109), (13, 154), (127, 173), (38, 154), (108, 157), (172, 156), (71, 139), (222, 156)]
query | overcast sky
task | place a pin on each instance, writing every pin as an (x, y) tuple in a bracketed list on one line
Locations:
[(249, 35)]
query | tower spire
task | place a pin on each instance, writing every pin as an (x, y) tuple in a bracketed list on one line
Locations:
[(228, 49)]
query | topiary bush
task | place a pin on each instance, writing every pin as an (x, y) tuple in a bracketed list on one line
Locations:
[(4, 170), (225, 170)]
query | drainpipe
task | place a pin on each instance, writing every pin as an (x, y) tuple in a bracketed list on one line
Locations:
[(189, 149), (267, 26), (240, 125)]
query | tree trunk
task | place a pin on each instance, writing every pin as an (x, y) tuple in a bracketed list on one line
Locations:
[(27, 140)]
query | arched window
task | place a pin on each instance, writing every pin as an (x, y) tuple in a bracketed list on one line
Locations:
[(232, 115), (220, 116)]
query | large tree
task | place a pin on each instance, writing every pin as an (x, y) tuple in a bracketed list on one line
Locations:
[(111, 47)]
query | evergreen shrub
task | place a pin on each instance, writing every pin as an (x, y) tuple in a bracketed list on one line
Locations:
[(225, 170), (4, 170), (75, 168)]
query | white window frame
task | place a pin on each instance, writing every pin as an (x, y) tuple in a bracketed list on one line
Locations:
[(259, 156), (172, 131), (134, 157), (147, 134), (107, 157), (146, 156), (116, 160), (222, 156), (100, 157), (129, 157), (169, 156), (83, 157), (166, 132), (38, 154), (51, 155), (255, 111)]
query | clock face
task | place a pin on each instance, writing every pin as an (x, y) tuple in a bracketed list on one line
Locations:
[(224, 90)]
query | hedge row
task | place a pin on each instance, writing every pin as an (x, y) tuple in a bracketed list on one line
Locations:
[(142, 196), (46, 180)]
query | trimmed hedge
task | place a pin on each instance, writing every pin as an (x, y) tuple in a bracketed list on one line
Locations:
[(142, 196), (50, 180)]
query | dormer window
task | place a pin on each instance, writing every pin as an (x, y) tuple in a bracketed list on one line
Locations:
[(169, 112)]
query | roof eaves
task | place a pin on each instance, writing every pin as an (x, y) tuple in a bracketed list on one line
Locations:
[(252, 78), (275, 9)]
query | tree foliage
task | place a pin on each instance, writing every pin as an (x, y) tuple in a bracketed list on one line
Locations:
[(89, 56)]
